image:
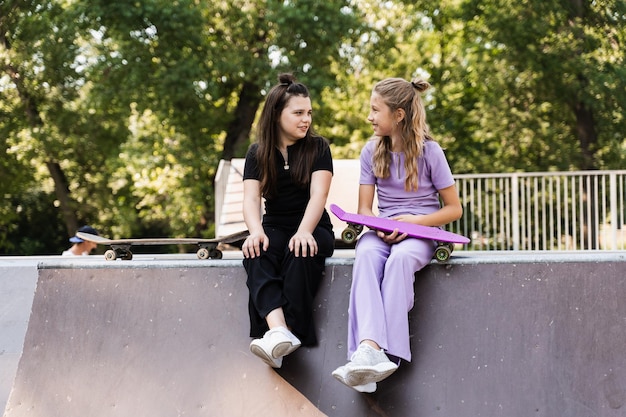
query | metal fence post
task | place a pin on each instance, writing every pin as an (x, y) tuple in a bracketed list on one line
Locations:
[(515, 211), (613, 209)]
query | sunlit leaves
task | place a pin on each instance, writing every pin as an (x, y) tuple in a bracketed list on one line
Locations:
[(135, 100)]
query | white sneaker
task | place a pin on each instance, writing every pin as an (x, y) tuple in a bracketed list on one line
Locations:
[(275, 344), (284, 348), (341, 375), (367, 365), (368, 388)]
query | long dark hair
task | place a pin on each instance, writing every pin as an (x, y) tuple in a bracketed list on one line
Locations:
[(302, 158)]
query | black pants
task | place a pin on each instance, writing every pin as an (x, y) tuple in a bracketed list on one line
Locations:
[(279, 279)]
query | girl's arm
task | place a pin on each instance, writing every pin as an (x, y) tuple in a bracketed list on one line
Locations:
[(366, 199), (303, 242), (252, 216), (366, 203), (449, 212)]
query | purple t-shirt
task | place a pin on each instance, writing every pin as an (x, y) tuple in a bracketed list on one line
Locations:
[(433, 174)]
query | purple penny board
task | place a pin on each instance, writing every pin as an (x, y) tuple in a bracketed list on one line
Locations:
[(356, 222)]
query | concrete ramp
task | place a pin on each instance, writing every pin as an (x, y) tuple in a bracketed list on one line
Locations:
[(511, 335), (145, 342), (18, 280)]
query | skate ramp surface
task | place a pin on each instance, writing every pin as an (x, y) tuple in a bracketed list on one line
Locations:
[(144, 342), (525, 335), (18, 279)]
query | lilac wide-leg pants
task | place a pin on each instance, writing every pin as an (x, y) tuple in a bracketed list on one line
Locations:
[(382, 292)]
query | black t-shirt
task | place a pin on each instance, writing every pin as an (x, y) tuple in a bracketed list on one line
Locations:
[(290, 200)]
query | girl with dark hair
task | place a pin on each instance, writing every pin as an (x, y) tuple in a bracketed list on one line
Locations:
[(291, 168)]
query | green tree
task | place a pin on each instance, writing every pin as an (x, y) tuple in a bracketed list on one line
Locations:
[(559, 64), (131, 106), (202, 69), (39, 79), (527, 86), (117, 113)]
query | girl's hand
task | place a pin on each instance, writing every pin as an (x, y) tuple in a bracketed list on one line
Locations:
[(303, 244), (396, 236), (391, 238), (409, 218), (253, 244)]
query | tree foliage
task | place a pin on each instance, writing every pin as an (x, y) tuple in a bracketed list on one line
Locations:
[(116, 114)]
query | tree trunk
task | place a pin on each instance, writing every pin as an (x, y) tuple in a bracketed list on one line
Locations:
[(237, 133), (239, 129), (587, 137), (62, 192), (586, 133), (31, 110)]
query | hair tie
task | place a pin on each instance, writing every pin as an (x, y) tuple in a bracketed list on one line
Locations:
[(420, 85)]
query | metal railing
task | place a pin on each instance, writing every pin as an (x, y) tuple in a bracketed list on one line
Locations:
[(583, 210), (578, 210)]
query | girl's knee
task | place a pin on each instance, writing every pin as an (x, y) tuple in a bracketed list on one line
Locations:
[(410, 258)]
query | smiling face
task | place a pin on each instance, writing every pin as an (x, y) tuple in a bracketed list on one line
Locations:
[(295, 120), (381, 116)]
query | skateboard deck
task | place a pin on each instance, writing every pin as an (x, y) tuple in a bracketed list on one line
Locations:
[(445, 240), (120, 248)]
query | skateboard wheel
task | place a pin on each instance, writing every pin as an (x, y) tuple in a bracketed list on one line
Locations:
[(349, 234), (215, 254), (203, 253), (110, 255), (442, 253), (127, 256)]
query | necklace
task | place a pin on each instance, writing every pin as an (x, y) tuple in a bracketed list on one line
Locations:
[(285, 156)]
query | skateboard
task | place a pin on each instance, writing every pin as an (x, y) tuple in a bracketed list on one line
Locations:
[(120, 248), (445, 240)]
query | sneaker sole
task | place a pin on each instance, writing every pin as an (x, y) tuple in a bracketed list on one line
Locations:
[(363, 375), (367, 388), (284, 349), (340, 375), (261, 353)]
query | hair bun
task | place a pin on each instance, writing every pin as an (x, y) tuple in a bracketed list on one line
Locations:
[(420, 85), (286, 79)]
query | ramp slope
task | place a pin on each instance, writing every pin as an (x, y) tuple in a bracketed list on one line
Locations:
[(532, 335), (145, 342), (18, 280)]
